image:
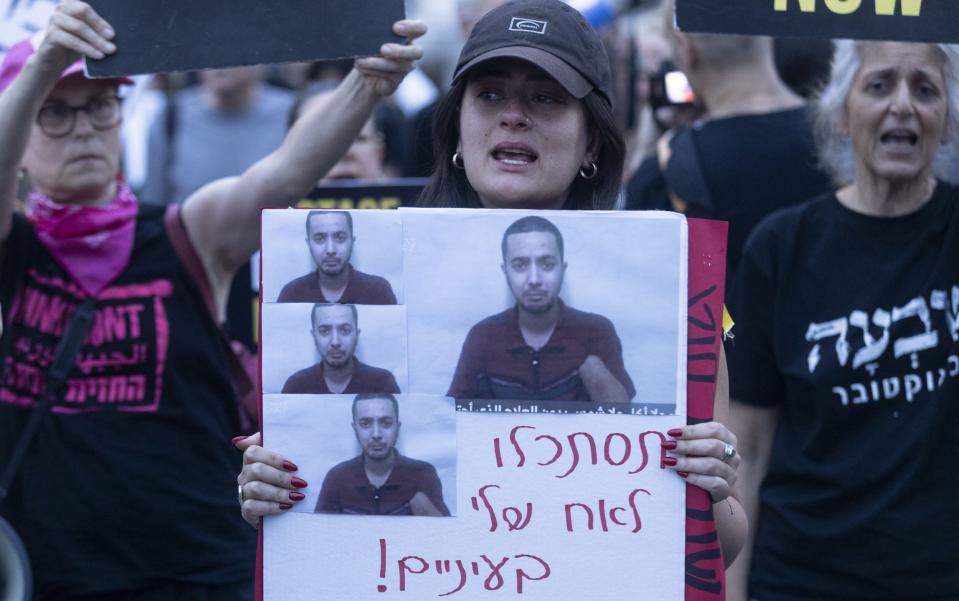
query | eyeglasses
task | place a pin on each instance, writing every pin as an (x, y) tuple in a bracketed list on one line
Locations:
[(58, 119)]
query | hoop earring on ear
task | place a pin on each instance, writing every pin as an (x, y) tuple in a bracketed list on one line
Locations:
[(458, 160), (591, 173)]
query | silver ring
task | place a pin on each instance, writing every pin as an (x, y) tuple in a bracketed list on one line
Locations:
[(239, 494), (729, 451)]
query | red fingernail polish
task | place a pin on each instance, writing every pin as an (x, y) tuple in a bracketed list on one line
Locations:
[(683, 474), (298, 482), (290, 467), (297, 496), (676, 433), (670, 445), (237, 439), (285, 506), (670, 461)]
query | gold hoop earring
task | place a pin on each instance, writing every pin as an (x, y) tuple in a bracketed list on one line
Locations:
[(593, 170), (458, 160)]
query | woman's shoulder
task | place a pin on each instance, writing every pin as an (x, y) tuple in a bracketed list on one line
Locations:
[(788, 219), (786, 232)]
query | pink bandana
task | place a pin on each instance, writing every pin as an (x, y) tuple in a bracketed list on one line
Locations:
[(93, 244)]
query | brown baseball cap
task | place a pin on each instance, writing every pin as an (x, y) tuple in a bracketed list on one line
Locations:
[(547, 33)]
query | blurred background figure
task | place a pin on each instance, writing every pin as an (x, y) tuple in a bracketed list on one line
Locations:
[(419, 162), (653, 52), (365, 158), (753, 151), (220, 127), (22, 18), (803, 64)]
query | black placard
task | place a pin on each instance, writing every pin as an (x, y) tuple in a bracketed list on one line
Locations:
[(900, 20), (365, 194), (185, 35)]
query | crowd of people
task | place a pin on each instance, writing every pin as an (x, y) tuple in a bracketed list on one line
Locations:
[(831, 445)]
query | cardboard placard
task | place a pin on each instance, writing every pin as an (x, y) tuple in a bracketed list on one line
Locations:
[(534, 488), (895, 20), (705, 572), (186, 35)]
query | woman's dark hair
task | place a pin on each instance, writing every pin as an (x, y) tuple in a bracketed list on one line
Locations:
[(448, 186)]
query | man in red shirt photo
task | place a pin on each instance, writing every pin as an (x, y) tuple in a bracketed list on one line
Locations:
[(380, 481), (540, 349), (330, 239), (335, 330)]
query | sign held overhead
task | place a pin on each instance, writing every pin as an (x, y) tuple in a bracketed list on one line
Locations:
[(894, 20), (187, 35)]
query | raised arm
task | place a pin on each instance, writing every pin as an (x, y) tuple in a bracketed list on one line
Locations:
[(74, 30), (223, 218)]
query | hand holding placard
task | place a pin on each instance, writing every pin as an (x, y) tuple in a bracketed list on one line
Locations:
[(384, 73), (74, 30)]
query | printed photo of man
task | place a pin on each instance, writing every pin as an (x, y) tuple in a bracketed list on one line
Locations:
[(335, 330), (330, 240), (380, 481), (540, 349)]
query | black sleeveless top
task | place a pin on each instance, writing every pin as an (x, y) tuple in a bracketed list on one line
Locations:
[(131, 478)]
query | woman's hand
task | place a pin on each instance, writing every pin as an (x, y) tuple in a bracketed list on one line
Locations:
[(383, 73), (705, 455), (266, 483), (74, 30)]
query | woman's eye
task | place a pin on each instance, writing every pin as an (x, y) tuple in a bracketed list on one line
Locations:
[(56, 110)]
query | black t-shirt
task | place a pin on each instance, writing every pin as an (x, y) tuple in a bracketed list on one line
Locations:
[(849, 325), (131, 479), (750, 165)]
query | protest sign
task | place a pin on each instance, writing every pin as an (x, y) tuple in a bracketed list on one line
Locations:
[(898, 20), (365, 194), (706, 319), (185, 35), (547, 500)]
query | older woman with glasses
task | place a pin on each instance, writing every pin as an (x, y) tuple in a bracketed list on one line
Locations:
[(126, 491), (57, 119)]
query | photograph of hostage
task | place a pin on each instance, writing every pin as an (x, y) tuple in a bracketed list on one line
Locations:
[(540, 349), (335, 330), (380, 481), (330, 239)]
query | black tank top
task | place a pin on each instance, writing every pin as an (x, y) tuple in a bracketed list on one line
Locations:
[(131, 478)]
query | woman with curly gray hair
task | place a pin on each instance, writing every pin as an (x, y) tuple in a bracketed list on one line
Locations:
[(845, 369)]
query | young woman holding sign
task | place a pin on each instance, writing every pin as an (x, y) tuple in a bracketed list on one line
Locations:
[(126, 491), (528, 125), (845, 371)]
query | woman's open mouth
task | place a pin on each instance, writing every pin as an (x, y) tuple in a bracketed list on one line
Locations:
[(514, 155)]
